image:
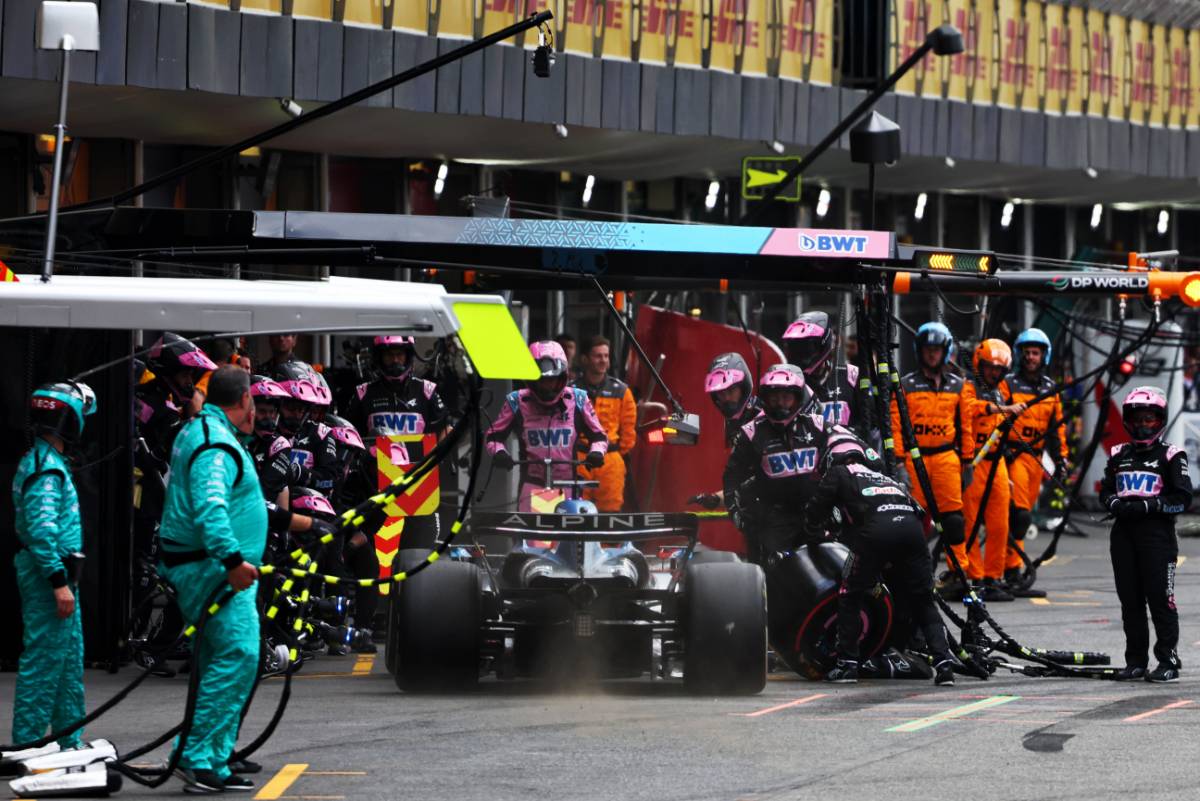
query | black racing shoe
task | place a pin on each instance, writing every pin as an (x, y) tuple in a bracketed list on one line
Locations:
[(1014, 582), (950, 588), (993, 592), (944, 673), (200, 781), (236, 784), (844, 672), (244, 767), (1163, 674), (1131, 673)]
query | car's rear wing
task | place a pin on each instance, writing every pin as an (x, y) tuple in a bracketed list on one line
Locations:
[(634, 526)]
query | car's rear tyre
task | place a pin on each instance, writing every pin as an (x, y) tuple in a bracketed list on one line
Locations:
[(725, 629), (406, 559), (436, 629), (704, 556)]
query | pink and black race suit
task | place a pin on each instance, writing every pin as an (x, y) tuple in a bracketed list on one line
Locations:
[(840, 401), (546, 431), (403, 407)]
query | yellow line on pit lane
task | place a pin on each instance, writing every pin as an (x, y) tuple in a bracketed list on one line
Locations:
[(281, 781), (951, 714), (364, 664)]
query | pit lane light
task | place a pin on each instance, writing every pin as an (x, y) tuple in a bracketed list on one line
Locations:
[(951, 261), (1189, 289), (681, 428)]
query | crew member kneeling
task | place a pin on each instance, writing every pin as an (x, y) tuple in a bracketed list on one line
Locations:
[(214, 531), (882, 526), (1145, 485)]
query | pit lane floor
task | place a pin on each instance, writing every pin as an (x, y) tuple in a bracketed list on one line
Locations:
[(349, 734)]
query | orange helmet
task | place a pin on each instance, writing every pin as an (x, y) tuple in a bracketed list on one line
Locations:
[(993, 351)]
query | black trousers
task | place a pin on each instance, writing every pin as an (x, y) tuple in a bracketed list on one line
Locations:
[(1144, 556), (902, 547)]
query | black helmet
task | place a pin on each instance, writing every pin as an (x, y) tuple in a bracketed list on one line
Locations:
[(60, 408), (729, 370), (296, 378), (808, 343), (843, 447), (172, 355)]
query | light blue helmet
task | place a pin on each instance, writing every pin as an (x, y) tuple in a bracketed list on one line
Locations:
[(1035, 336), (576, 507), (934, 334), (60, 409)]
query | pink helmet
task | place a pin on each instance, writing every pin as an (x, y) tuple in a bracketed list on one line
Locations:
[(296, 378), (808, 342), (552, 363), (310, 502), (844, 446), (726, 371), (783, 378), (395, 372), (263, 387), (344, 432), (1138, 399), (324, 394)]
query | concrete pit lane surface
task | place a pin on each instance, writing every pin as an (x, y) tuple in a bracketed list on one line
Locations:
[(350, 734)]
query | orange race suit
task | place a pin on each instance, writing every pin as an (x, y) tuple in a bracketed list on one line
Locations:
[(1038, 428), (995, 514), (938, 412), (614, 405)]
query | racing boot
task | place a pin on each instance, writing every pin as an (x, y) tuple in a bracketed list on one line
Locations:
[(993, 592), (1165, 673), (844, 672), (1015, 583), (1131, 673), (944, 673), (950, 587)]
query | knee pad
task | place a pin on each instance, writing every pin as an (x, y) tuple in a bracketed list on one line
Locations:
[(953, 527), (1019, 521)]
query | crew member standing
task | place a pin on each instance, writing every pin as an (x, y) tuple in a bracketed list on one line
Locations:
[(809, 343), (1037, 430), (1145, 485), (937, 407), (986, 410), (49, 689), (214, 531), (613, 402)]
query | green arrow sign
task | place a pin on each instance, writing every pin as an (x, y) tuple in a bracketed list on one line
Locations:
[(761, 173)]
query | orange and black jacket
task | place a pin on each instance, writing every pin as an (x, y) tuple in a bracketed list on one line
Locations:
[(938, 413), (613, 402), (1040, 426)]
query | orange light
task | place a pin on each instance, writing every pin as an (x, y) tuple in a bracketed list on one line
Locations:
[(903, 283), (724, 285), (469, 278), (619, 301), (941, 261), (984, 263), (1127, 366), (655, 437), (1189, 289)]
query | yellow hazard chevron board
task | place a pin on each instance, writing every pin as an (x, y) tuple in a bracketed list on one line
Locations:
[(6, 274), (423, 498)]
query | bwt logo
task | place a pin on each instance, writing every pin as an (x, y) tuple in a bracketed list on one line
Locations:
[(1139, 483), (828, 243), (398, 422), (836, 412), (302, 458), (549, 438), (792, 463)]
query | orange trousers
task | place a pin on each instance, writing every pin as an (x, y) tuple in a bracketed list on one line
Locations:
[(995, 520), (945, 475), (610, 495), (1026, 474)]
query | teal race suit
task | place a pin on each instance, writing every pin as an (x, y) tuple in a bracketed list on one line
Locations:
[(49, 689), (214, 518)]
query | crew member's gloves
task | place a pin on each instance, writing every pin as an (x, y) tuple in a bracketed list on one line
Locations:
[(594, 459), (503, 460), (320, 528), (1134, 508), (708, 500), (968, 475)]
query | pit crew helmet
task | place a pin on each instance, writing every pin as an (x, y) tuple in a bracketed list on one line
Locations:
[(783, 378), (933, 335), (1035, 337), (60, 408), (808, 343), (551, 360), (394, 372), (729, 370), (1138, 399), (173, 354)]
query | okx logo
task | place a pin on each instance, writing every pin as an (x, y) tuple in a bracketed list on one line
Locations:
[(548, 437), (1139, 483), (790, 463), (832, 243), (397, 422)]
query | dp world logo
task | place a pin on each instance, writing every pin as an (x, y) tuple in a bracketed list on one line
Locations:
[(830, 243), (1059, 283)]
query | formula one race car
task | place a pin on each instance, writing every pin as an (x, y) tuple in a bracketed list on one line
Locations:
[(574, 597)]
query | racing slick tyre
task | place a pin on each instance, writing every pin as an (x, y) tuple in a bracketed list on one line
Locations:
[(406, 559), (724, 628), (802, 591), (436, 629), (705, 556)]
